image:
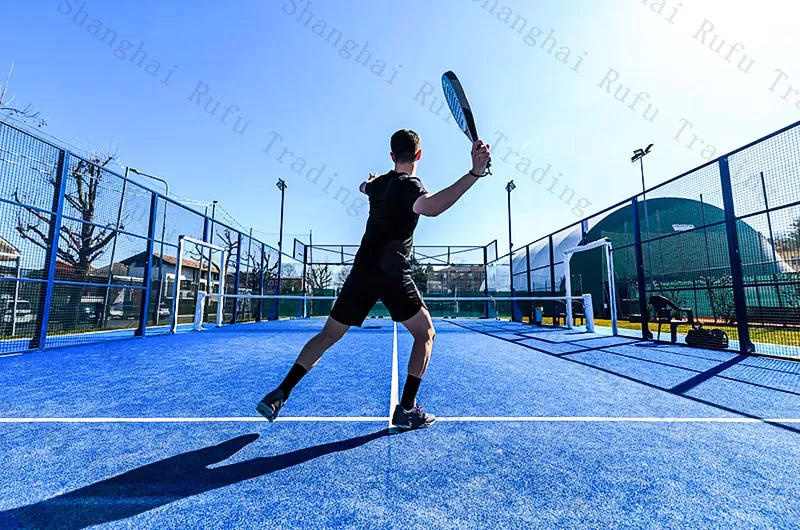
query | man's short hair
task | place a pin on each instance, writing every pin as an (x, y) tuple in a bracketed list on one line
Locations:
[(405, 144)]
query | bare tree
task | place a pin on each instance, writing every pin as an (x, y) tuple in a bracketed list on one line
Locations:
[(26, 114), (81, 246), (341, 276), (319, 277)]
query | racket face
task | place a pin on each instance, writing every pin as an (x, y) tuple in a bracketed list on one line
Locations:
[(459, 105)]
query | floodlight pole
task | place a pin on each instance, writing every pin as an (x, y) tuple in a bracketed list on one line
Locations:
[(281, 184), (509, 188), (639, 155)]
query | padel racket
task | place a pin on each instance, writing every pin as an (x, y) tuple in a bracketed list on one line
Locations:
[(459, 106)]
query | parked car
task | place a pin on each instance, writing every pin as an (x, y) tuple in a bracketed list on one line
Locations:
[(25, 314)]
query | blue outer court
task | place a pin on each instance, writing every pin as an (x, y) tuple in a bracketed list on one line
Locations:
[(539, 428)]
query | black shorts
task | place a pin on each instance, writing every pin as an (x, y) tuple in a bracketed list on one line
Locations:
[(365, 286)]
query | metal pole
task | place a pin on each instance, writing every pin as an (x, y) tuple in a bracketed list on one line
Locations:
[(222, 272), (640, 279), (510, 186), (147, 276), (163, 232), (647, 225), (161, 257), (514, 310), (735, 257), (282, 186), (114, 251), (176, 302), (16, 297)]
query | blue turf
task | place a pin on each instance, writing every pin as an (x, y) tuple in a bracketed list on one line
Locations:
[(454, 475)]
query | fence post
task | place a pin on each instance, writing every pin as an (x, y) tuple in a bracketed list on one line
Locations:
[(486, 280), (737, 275), (59, 192), (640, 278), (261, 276), (305, 287), (528, 267), (553, 290), (236, 279), (147, 280)]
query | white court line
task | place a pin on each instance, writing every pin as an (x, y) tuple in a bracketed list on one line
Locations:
[(368, 419), (234, 419), (394, 393)]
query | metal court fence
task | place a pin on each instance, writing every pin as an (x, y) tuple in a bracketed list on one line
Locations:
[(87, 254), (722, 240)]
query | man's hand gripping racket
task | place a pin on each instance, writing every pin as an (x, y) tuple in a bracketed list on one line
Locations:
[(462, 113)]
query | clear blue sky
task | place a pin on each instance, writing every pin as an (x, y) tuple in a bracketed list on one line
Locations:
[(331, 111)]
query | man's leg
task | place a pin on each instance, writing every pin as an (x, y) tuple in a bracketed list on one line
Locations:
[(308, 358), (408, 414), (421, 328)]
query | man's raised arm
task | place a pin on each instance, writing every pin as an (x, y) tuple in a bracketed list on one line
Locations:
[(431, 205), (363, 187)]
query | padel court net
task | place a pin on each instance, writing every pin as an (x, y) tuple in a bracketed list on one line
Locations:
[(551, 310)]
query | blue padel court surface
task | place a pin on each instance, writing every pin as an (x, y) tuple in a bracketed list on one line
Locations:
[(538, 428)]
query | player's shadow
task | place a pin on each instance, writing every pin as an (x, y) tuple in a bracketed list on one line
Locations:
[(163, 482)]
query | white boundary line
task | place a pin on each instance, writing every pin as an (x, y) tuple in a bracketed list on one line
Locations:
[(395, 391), (370, 419)]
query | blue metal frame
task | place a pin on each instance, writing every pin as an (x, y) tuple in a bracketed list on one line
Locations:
[(40, 339), (261, 284), (91, 284), (644, 310), (148, 272), (237, 278), (737, 275)]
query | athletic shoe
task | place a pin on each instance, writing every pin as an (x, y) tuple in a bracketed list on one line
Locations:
[(416, 418), (271, 405)]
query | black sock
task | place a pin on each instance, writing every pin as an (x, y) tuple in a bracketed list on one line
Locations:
[(410, 392), (294, 376)]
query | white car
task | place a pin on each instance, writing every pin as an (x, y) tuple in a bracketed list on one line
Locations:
[(25, 314)]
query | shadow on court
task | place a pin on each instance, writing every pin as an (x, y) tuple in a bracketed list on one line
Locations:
[(163, 482), (695, 376)]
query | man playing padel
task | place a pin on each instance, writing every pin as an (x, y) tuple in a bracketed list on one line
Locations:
[(381, 271)]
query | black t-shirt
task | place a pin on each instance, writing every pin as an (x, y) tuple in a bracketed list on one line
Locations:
[(391, 223)]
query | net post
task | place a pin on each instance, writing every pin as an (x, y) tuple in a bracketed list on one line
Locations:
[(199, 311), (176, 290), (588, 311)]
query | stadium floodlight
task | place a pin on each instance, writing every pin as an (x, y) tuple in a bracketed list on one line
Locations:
[(639, 155), (604, 243)]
